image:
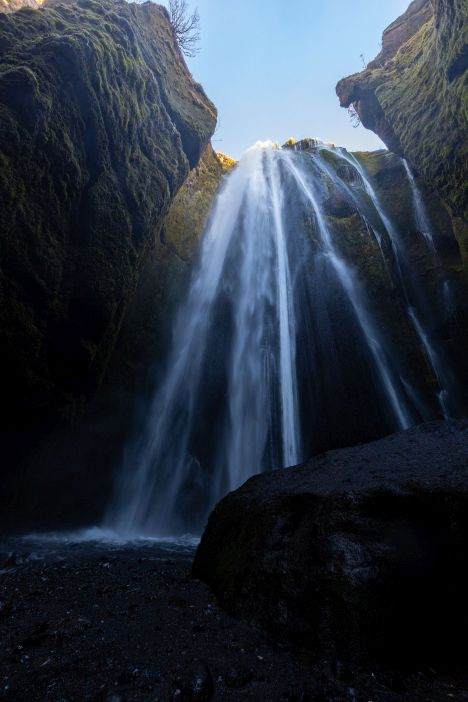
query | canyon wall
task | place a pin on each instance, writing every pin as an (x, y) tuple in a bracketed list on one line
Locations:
[(101, 123), (67, 479), (414, 95)]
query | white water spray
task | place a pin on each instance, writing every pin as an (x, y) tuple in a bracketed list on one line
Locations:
[(244, 259), (271, 300)]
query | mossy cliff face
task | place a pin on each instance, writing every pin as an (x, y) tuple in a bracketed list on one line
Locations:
[(414, 95), (187, 217), (100, 124), (165, 276), (68, 480)]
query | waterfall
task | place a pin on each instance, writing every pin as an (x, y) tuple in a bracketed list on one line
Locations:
[(422, 218), (347, 279), (417, 307), (449, 396), (244, 263), (278, 350)]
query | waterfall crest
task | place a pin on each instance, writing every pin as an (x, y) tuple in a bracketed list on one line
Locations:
[(278, 350)]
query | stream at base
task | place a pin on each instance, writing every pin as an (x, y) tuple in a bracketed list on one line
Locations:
[(57, 546)]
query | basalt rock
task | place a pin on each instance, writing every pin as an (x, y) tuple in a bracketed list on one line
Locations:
[(359, 554), (101, 123), (414, 96)]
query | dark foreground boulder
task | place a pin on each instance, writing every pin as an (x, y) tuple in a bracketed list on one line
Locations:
[(360, 554)]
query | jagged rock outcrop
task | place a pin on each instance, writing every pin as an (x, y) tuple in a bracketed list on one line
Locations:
[(100, 124), (414, 95), (402, 29), (359, 554)]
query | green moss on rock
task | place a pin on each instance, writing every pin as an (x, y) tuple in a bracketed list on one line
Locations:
[(164, 278), (187, 217), (100, 123), (415, 95)]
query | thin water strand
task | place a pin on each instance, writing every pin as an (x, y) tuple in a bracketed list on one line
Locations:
[(421, 216), (347, 278), (289, 412), (433, 356)]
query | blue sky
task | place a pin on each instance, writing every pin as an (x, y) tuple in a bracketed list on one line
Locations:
[(270, 66)]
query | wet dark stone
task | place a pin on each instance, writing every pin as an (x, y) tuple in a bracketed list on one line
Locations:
[(359, 555), (95, 650)]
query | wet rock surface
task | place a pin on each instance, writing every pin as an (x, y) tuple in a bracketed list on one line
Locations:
[(359, 555), (131, 624)]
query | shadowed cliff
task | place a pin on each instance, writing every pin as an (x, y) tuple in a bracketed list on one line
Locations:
[(100, 124), (67, 479)]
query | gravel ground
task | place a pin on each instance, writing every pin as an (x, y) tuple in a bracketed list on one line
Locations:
[(124, 624)]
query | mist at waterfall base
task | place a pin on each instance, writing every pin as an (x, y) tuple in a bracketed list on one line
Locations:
[(280, 351)]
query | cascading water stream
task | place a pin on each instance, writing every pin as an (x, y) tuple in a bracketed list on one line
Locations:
[(350, 285), (447, 391), (423, 222), (244, 260), (287, 324), (421, 216), (276, 352)]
